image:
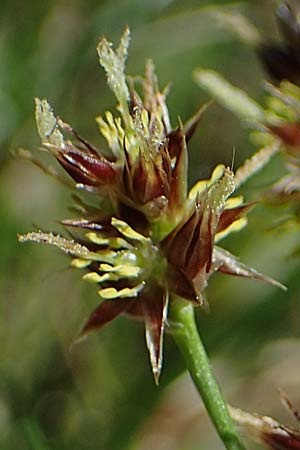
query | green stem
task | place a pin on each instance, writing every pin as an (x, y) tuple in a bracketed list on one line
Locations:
[(186, 335)]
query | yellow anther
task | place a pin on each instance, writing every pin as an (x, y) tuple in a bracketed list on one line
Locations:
[(235, 226), (106, 268), (96, 239), (121, 270), (234, 202), (94, 277), (128, 271), (80, 263), (217, 174), (127, 231), (111, 293), (202, 185), (118, 242)]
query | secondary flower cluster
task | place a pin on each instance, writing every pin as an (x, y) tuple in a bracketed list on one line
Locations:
[(282, 60), (267, 431), (148, 239), (283, 121)]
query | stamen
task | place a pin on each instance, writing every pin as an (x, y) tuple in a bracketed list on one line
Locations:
[(111, 293), (80, 263), (127, 231)]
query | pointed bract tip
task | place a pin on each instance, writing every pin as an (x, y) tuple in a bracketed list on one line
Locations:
[(77, 340), (156, 375), (191, 125)]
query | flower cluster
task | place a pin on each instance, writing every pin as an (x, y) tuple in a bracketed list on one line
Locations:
[(282, 60), (148, 240), (276, 127), (283, 121), (266, 430)]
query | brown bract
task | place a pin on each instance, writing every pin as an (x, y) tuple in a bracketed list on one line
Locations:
[(289, 133)]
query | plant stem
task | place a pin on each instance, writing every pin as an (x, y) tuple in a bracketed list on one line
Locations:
[(186, 335)]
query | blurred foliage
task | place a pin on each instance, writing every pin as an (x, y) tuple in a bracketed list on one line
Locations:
[(100, 393)]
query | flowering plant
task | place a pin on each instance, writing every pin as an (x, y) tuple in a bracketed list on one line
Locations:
[(148, 243)]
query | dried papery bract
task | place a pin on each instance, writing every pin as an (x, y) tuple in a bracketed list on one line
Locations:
[(266, 431)]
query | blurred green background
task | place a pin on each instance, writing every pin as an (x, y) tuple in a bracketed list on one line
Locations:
[(99, 394)]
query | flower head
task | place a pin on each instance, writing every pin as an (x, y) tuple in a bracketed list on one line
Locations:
[(282, 120), (149, 239), (282, 60), (266, 430)]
